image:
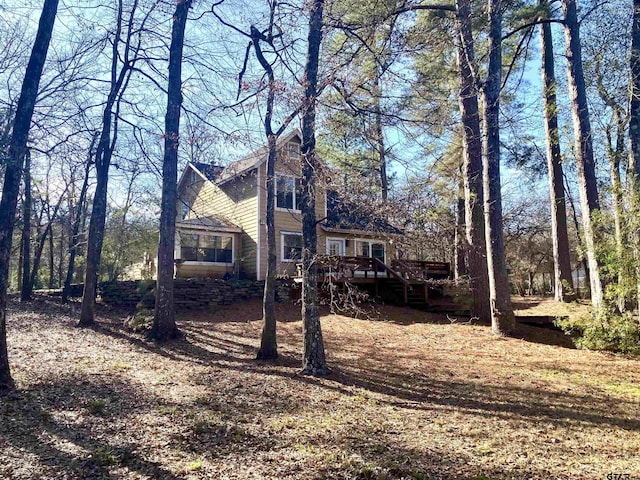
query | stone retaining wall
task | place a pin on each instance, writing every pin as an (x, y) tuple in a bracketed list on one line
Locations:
[(189, 293)]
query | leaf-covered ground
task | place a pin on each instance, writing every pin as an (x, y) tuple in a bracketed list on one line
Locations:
[(411, 395)]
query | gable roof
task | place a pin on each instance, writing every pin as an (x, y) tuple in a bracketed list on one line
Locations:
[(218, 174), (254, 159), (210, 171), (343, 214)]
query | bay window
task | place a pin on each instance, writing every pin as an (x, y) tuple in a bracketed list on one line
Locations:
[(200, 247)]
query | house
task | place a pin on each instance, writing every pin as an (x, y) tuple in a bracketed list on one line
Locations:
[(221, 227)]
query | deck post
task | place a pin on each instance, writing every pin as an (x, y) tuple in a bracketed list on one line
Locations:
[(375, 276), (406, 294)]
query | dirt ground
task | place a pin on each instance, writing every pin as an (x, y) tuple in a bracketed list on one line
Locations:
[(412, 395)]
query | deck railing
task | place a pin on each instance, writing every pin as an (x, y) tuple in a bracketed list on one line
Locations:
[(410, 273), (421, 270), (410, 270)]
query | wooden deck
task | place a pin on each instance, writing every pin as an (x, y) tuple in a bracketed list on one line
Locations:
[(406, 280)]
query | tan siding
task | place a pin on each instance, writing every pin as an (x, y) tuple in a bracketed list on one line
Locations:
[(349, 250), (235, 201), (288, 221), (238, 201)]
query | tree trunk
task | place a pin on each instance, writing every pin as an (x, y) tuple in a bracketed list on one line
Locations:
[(64, 232), (314, 362), (460, 264), (472, 166), (25, 291), (164, 323), (268, 341), (13, 171), (634, 111), (576, 223), (75, 239), (47, 233), (37, 257), (104, 153), (20, 262), (502, 319), (615, 152), (588, 188), (379, 136), (563, 280), (51, 252), (634, 135), (95, 239)]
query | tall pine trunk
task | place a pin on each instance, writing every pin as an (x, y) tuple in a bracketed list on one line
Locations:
[(164, 322), (379, 135), (472, 165), (502, 318), (13, 172), (634, 135), (314, 362), (563, 281), (587, 185)]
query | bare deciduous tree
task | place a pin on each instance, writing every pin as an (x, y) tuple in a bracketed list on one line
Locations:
[(13, 172), (164, 322)]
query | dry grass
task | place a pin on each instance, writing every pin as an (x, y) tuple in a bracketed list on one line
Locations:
[(411, 396)]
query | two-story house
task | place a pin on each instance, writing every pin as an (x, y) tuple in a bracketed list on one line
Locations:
[(221, 227)]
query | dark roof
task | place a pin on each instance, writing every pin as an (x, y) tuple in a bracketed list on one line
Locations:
[(210, 222), (253, 160), (243, 165), (210, 171), (346, 215)]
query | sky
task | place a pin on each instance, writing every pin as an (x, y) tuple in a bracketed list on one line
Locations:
[(225, 134)]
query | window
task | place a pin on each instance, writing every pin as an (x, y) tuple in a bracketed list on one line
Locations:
[(288, 192), (206, 248), (293, 150), (370, 248), (335, 247), (184, 211), (291, 247)]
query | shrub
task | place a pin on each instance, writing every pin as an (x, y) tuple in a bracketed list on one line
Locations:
[(613, 332), (141, 321)]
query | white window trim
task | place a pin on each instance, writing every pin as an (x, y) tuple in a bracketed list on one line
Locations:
[(178, 249), (370, 242), (334, 239), (287, 260), (295, 195)]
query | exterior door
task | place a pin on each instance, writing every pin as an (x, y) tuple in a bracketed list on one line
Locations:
[(371, 249), (377, 251), (335, 247)]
